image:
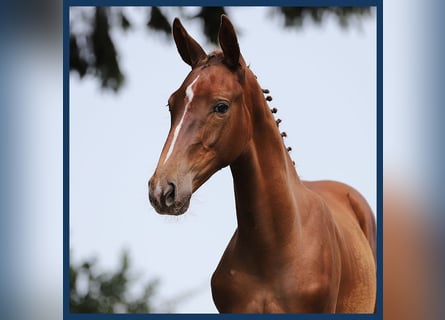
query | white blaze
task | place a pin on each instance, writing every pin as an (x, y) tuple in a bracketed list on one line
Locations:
[(189, 94)]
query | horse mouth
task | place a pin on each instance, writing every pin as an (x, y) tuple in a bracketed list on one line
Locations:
[(177, 208)]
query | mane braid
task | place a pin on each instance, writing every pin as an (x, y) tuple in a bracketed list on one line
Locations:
[(274, 110)]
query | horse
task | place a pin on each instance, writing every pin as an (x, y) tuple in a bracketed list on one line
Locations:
[(300, 246)]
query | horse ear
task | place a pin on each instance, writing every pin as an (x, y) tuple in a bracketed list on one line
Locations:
[(189, 49), (229, 43)]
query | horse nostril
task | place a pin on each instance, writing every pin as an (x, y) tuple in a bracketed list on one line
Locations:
[(169, 194)]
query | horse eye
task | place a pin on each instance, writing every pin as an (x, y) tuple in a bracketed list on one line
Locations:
[(221, 107)]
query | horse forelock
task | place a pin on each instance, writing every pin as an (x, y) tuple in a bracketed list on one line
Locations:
[(217, 58)]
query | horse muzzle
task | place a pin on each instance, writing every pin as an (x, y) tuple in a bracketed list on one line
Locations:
[(168, 196)]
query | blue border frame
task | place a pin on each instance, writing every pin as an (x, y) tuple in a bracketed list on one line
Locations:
[(66, 149), (380, 158), (210, 3), (66, 160)]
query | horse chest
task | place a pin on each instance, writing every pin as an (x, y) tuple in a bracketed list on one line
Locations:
[(241, 285), (240, 292), (244, 283)]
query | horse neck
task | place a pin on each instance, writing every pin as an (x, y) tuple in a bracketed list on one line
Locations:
[(265, 180)]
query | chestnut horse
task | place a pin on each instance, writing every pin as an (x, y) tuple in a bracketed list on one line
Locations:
[(300, 247)]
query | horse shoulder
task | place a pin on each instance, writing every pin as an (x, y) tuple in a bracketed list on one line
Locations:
[(318, 289)]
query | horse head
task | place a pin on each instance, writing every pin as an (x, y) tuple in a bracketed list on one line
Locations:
[(209, 120)]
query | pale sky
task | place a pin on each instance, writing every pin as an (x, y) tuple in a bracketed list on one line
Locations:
[(323, 81)]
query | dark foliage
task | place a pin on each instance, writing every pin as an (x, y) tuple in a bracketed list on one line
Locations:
[(158, 22), (106, 65), (211, 19), (93, 52), (297, 16), (107, 292)]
